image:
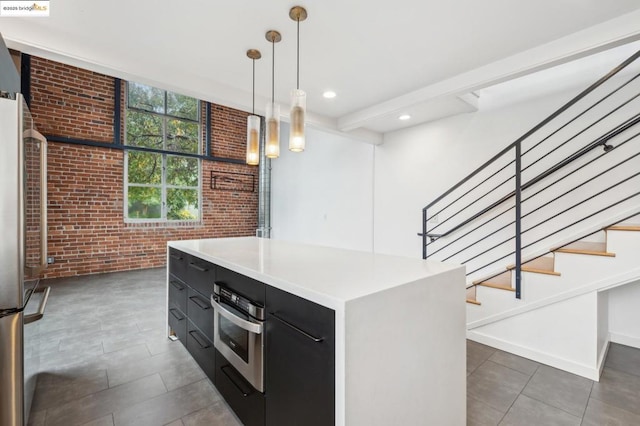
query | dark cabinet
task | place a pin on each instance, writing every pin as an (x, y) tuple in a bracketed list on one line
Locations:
[(201, 275), (178, 263), (300, 361), (177, 293), (178, 323), (246, 402), (200, 312), (190, 312), (299, 345), (201, 349)]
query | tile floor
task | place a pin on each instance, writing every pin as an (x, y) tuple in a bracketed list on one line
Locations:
[(105, 360)]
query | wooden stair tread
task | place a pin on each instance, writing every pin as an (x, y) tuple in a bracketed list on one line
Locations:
[(586, 247), (624, 227), (504, 280), (498, 286), (474, 302), (541, 265)]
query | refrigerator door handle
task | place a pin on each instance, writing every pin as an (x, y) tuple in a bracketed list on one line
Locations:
[(28, 319)]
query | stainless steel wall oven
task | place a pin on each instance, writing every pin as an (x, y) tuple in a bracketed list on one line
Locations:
[(239, 333)]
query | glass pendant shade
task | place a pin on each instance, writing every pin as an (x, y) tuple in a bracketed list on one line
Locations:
[(253, 140), (272, 146), (298, 109)]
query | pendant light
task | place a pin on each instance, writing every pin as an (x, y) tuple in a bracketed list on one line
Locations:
[(253, 121), (272, 145), (298, 97)]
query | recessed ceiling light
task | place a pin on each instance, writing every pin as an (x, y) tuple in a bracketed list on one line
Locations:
[(329, 94), (404, 117)]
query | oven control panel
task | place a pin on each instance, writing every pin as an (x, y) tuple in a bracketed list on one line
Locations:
[(239, 302)]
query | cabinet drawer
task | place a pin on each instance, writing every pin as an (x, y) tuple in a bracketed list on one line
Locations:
[(178, 323), (200, 313), (177, 293), (315, 320), (201, 349), (243, 285), (246, 402), (201, 275), (300, 361), (178, 263)]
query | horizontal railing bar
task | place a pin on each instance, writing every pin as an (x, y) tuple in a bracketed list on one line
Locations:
[(552, 217), (543, 123), (576, 155), (580, 132), (582, 113), (473, 202), (492, 262), (584, 218), (582, 202), (602, 140), (472, 230), (489, 249), (580, 185), (579, 168), (548, 252), (533, 211), (486, 179), (476, 242)]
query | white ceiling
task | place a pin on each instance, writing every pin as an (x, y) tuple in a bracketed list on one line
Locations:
[(381, 57)]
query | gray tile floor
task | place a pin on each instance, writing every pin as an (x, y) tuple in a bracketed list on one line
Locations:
[(105, 360), (504, 389)]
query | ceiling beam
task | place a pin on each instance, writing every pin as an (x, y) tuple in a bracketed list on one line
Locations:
[(615, 32)]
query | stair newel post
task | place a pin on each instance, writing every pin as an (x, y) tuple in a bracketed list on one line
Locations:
[(518, 236), (424, 233)]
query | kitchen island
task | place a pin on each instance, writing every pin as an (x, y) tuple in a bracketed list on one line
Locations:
[(396, 336)]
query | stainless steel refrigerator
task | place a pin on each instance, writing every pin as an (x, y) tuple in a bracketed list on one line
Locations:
[(23, 256)]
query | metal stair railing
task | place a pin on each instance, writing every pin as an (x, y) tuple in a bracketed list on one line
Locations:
[(475, 229)]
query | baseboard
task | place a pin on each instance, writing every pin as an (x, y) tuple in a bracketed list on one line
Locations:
[(592, 373), (623, 339), (603, 357)]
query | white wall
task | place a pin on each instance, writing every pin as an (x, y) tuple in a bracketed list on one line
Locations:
[(324, 195), (416, 165), (624, 315)]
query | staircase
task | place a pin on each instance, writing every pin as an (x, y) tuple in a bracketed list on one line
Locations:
[(549, 230)]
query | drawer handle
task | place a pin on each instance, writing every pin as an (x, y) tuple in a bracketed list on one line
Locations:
[(176, 257), (202, 305), (243, 389), (173, 311), (304, 333), (198, 340), (198, 267), (177, 285)]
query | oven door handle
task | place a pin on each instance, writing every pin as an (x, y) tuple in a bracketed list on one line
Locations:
[(251, 327)]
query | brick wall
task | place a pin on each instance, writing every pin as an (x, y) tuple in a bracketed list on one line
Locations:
[(87, 233)]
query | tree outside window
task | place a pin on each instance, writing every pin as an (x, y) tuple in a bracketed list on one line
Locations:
[(162, 184)]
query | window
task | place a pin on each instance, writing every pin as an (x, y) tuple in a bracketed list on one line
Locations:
[(161, 184)]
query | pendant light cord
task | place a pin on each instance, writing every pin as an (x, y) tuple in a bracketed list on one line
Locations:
[(253, 106), (273, 69), (298, 56)]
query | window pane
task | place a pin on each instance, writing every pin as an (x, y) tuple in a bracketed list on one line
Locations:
[(182, 204), (182, 106), (182, 136), (144, 130), (146, 97), (182, 171), (144, 167), (144, 202)]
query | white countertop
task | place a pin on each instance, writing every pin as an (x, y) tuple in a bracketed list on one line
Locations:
[(328, 276)]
